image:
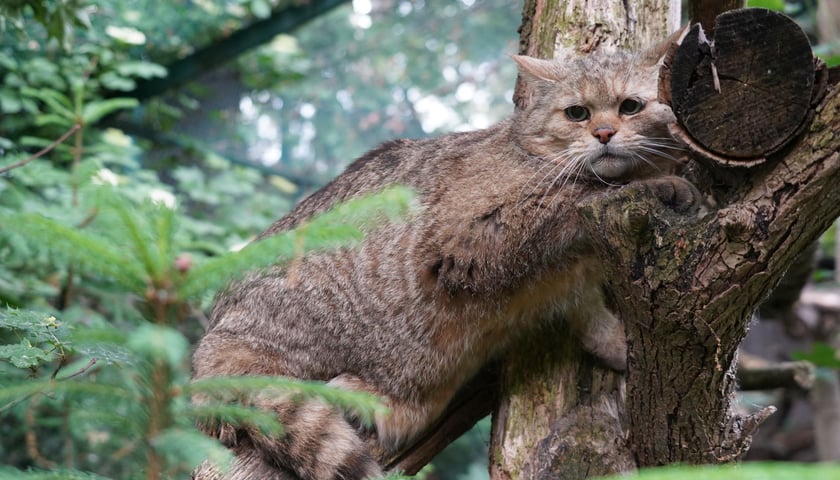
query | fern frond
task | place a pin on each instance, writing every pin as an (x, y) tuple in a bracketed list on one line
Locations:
[(139, 237), (21, 390), (9, 473)]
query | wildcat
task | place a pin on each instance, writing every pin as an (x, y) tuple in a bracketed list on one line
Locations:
[(416, 309)]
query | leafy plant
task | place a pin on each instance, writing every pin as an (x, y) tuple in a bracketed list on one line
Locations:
[(152, 391), (746, 471)]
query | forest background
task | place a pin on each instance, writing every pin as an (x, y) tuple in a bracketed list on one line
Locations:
[(144, 143)]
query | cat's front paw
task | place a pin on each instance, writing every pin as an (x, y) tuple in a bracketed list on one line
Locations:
[(676, 192)]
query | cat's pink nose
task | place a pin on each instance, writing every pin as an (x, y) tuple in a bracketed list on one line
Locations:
[(604, 134)]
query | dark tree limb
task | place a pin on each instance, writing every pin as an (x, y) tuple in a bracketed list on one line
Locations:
[(475, 401), (188, 143), (791, 375), (225, 50)]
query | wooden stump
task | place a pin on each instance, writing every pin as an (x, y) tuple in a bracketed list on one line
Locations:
[(746, 93)]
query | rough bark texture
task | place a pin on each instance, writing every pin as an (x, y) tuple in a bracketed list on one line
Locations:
[(562, 416)]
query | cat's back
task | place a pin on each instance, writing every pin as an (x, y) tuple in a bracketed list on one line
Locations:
[(429, 166)]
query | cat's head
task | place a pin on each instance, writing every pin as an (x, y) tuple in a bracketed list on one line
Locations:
[(598, 116)]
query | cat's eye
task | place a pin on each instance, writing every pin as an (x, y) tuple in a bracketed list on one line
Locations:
[(576, 113), (631, 106)]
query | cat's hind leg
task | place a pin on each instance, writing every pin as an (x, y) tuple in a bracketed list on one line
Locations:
[(317, 443)]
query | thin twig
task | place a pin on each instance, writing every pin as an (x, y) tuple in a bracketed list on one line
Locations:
[(82, 370), (44, 150)]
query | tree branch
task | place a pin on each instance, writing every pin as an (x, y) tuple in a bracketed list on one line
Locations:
[(223, 51), (44, 150), (793, 375)]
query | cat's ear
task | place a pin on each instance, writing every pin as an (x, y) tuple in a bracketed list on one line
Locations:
[(655, 54), (535, 68)]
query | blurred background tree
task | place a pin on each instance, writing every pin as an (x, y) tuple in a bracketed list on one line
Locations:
[(221, 114)]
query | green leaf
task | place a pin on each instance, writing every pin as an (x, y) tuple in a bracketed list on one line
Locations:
[(260, 8), (112, 81), (141, 69), (24, 354), (342, 226), (821, 355), (746, 471), (233, 414), (58, 102), (9, 103), (53, 119), (165, 231), (777, 5), (17, 391), (159, 343), (9, 473), (136, 231), (129, 35), (94, 111), (365, 405)]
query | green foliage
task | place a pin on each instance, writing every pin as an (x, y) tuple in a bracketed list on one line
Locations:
[(120, 218), (821, 355), (339, 227), (746, 471), (40, 338), (106, 260), (154, 388), (778, 5), (128, 214)]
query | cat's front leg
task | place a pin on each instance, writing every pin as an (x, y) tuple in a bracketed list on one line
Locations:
[(600, 332)]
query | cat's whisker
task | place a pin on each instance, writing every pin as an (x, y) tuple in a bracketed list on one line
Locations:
[(568, 164), (551, 165), (656, 152), (638, 159), (579, 165), (601, 179), (660, 148)]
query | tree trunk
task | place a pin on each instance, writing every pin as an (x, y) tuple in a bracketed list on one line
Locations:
[(685, 288), (562, 416)]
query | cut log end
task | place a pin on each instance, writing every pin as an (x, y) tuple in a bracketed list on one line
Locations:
[(747, 93)]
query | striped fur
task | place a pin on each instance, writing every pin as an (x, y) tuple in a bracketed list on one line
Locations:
[(421, 305)]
